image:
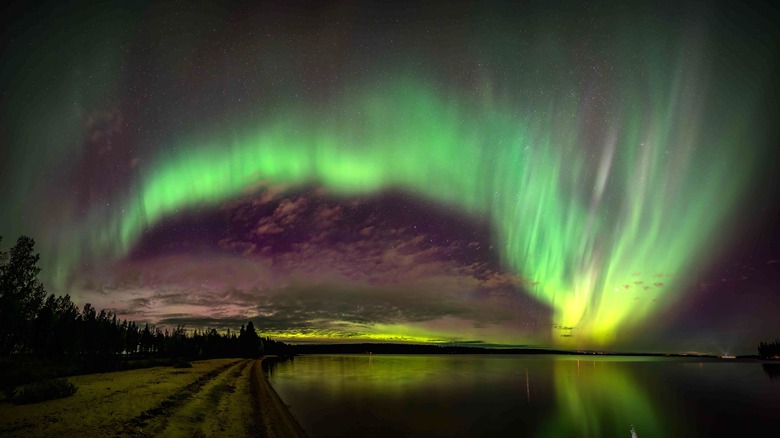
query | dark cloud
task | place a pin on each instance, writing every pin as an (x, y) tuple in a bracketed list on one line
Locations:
[(300, 307), (309, 262)]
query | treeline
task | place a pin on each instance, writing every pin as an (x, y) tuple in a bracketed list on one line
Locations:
[(769, 350), (36, 327)]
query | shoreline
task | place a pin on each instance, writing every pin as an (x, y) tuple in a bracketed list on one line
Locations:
[(275, 418)]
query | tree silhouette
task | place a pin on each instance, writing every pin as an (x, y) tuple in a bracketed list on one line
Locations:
[(146, 340), (769, 350), (21, 295), (250, 342)]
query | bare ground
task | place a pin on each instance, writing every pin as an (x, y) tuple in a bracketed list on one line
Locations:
[(222, 397)]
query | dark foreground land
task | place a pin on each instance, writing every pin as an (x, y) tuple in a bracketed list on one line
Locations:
[(219, 397)]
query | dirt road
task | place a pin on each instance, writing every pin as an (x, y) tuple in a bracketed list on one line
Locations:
[(225, 397)]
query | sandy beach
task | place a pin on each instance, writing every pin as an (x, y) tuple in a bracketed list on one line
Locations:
[(220, 397)]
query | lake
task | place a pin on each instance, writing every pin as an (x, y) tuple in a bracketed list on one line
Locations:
[(527, 395)]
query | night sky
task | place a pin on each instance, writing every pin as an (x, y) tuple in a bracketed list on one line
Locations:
[(540, 173)]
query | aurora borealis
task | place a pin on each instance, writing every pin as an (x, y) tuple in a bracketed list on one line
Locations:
[(532, 174)]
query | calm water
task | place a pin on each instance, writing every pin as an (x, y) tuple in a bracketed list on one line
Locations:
[(540, 395)]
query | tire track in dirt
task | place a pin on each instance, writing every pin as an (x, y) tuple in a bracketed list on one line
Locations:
[(183, 412), (232, 399), (233, 415)]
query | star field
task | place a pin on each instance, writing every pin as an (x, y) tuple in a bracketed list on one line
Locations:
[(543, 174)]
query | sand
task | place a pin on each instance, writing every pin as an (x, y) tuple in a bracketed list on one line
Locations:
[(221, 397)]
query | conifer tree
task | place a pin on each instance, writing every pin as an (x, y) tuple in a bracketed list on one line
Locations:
[(21, 295)]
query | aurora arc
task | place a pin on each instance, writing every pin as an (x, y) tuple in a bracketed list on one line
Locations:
[(591, 222)]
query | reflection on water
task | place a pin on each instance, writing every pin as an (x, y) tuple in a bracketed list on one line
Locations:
[(772, 370), (599, 398), (546, 396)]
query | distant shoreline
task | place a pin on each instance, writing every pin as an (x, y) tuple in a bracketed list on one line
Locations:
[(434, 349), (381, 348)]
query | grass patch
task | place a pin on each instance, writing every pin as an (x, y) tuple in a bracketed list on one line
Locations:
[(41, 391), (182, 364)]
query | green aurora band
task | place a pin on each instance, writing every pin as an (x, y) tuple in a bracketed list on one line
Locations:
[(606, 215)]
